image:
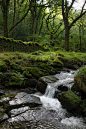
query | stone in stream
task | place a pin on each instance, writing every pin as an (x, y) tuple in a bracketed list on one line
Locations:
[(43, 81), (23, 98), (63, 88), (3, 117), (69, 100)]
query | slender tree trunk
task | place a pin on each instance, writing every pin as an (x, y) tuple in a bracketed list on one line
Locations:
[(14, 16), (67, 38), (80, 38)]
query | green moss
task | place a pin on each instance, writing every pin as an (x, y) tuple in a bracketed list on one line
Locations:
[(9, 95), (35, 72), (57, 63), (9, 79), (3, 66), (16, 67), (26, 74), (69, 100), (80, 81)]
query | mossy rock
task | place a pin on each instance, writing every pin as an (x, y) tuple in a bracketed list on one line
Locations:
[(27, 74), (80, 81), (35, 72), (69, 100), (69, 62), (41, 85), (3, 66), (57, 63)]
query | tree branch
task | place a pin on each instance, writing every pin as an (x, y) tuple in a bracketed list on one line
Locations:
[(83, 6), (21, 18), (63, 10), (71, 5), (76, 19)]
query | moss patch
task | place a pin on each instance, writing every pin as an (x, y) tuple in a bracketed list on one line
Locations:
[(69, 100), (80, 81), (35, 72)]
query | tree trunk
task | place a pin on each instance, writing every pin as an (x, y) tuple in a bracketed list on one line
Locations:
[(14, 16), (67, 29), (5, 17), (80, 38)]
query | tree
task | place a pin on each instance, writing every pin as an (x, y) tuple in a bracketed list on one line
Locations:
[(5, 9), (66, 8)]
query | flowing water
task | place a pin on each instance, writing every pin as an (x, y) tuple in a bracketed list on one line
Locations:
[(50, 115), (50, 103)]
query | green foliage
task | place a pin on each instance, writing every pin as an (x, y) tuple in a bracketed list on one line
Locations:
[(21, 32)]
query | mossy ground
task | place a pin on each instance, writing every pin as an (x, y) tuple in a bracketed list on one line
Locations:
[(17, 67), (20, 61)]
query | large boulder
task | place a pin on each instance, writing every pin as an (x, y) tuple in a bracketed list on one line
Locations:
[(69, 100), (80, 81)]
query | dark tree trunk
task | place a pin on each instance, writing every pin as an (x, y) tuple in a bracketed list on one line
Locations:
[(80, 38), (5, 5), (67, 38)]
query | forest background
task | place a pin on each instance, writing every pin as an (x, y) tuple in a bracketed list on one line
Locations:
[(55, 23)]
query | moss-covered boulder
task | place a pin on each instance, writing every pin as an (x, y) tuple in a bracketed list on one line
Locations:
[(69, 100), (41, 85), (35, 72), (80, 81), (69, 62), (57, 63)]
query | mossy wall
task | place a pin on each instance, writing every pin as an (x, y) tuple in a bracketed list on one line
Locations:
[(8, 44)]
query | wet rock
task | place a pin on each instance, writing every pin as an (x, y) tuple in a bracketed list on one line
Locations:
[(69, 100), (41, 85), (3, 117), (23, 98), (49, 79), (56, 93), (18, 111), (63, 88)]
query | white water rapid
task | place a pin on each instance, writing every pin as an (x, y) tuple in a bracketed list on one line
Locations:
[(51, 103)]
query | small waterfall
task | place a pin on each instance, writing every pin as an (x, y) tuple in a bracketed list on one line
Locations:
[(49, 91), (50, 103)]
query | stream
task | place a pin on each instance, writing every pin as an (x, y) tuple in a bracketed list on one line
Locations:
[(50, 115), (50, 103)]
